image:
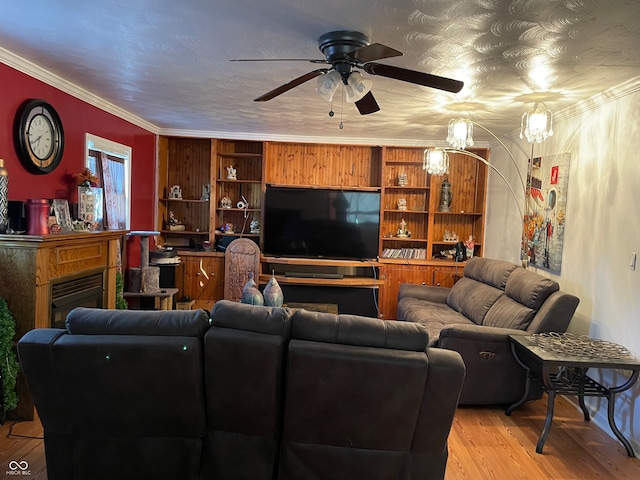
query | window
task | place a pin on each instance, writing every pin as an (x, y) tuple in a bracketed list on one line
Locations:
[(111, 162)]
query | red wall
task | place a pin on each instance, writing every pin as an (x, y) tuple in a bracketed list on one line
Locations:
[(78, 118)]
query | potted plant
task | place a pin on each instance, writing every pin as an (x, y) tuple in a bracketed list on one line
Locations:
[(8, 361)]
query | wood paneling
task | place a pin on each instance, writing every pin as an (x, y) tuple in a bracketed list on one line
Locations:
[(322, 165)]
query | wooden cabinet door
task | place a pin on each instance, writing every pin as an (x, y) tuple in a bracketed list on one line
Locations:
[(204, 280)]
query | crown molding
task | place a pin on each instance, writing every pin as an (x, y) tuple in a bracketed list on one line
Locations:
[(39, 73), (625, 88), (257, 137)]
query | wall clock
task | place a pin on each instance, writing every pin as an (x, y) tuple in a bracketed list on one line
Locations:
[(39, 137)]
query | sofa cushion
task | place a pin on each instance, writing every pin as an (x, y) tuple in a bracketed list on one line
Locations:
[(97, 321), (489, 271), (508, 313), (358, 331), (529, 288), (252, 318), (433, 316), (473, 298)]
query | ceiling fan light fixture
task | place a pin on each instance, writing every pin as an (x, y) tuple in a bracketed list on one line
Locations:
[(460, 133), (436, 161), (357, 87), (537, 125), (328, 84)]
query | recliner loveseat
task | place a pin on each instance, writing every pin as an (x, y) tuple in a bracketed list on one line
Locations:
[(249, 393), (493, 300)]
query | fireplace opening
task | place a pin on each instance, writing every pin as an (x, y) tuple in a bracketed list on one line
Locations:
[(81, 292)]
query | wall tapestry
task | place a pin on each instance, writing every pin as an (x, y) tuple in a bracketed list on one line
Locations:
[(545, 213)]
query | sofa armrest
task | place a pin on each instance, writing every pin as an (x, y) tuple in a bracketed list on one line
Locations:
[(442, 391), (493, 374), (424, 292), (480, 333)]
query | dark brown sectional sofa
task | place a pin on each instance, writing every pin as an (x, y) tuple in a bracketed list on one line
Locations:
[(246, 393)]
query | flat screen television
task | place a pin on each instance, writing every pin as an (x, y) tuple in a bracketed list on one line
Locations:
[(321, 223)]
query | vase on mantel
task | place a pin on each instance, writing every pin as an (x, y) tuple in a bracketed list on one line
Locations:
[(273, 296), (250, 293), (4, 198)]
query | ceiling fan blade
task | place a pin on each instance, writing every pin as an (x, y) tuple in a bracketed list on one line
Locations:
[(374, 51), (367, 104), (413, 76), (310, 60), (292, 84)]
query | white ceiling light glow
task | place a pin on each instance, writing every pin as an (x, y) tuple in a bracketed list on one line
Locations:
[(537, 125), (436, 161)]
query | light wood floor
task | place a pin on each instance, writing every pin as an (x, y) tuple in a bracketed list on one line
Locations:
[(484, 444)]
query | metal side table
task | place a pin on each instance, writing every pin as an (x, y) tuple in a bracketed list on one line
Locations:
[(559, 364)]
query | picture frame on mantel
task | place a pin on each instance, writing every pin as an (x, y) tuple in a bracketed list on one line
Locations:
[(61, 212), (90, 203)]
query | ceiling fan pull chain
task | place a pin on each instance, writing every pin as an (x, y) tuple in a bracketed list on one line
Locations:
[(341, 107)]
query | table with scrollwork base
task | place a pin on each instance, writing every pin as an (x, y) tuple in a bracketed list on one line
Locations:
[(559, 367)]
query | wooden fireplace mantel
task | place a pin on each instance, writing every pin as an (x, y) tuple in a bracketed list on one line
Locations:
[(30, 264)]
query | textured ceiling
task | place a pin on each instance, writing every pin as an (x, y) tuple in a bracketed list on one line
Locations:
[(167, 62)]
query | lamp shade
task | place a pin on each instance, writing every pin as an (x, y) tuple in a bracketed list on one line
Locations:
[(460, 133), (537, 125), (357, 87), (436, 161), (328, 84)]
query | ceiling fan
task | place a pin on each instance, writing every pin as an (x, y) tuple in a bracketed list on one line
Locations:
[(347, 52)]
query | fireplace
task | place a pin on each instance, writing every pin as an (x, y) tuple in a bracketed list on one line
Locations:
[(87, 291)]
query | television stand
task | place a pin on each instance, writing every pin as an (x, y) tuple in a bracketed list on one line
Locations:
[(314, 275)]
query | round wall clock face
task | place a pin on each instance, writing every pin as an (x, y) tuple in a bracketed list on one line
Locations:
[(39, 137)]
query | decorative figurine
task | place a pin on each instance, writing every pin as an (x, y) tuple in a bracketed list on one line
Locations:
[(469, 244), (254, 226), (225, 202), (231, 173), (402, 203), (176, 192), (450, 236), (173, 223), (403, 179), (242, 203), (206, 192), (250, 293), (273, 296), (402, 231), (445, 196)]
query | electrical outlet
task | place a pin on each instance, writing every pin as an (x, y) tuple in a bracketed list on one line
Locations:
[(632, 265)]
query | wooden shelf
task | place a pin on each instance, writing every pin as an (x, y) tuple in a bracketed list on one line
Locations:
[(185, 232), (318, 262), (185, 200), (222, 209), (224, 180), (404, 239), (459, 213), (367, 282), (442, 242), (239, 155), (395, 210), (253, 235), (406, 187)]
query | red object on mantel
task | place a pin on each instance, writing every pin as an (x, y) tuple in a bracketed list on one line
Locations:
[(37, 216)]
